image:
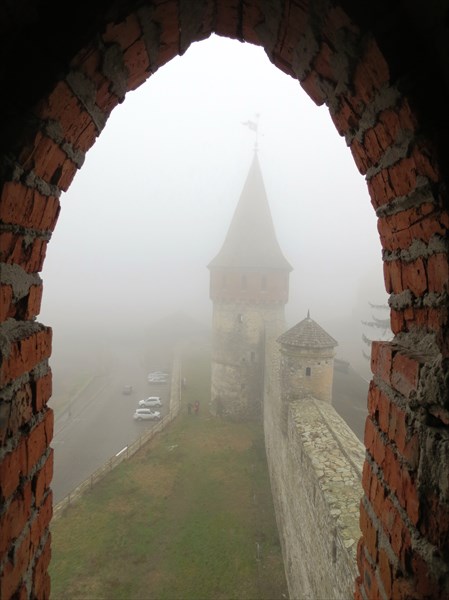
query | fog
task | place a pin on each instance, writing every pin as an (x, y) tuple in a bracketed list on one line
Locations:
[(151, 205)]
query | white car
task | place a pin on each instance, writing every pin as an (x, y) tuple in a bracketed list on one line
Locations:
[(151, 401), (146, 414), (157, 377)]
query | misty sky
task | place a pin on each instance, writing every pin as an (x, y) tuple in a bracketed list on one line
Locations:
[(151, 205)]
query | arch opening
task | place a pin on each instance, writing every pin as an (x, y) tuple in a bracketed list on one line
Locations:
[(412, 223)]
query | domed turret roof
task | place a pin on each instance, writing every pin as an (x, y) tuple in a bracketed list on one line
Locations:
[(307, 334), (251, 240)]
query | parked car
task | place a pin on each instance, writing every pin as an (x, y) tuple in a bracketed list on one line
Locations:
[(157, 377), (127, 390), (142, 414), (150, 401)]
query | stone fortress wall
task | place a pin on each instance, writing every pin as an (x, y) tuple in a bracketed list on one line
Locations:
[(315, 466)]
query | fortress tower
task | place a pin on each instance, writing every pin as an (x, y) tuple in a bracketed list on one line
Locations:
[(307, 361), (249, 280)]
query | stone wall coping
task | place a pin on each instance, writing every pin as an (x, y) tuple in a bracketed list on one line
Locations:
[(336, 455)]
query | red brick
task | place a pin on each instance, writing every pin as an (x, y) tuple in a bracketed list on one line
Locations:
[(397, 321), (19, 249), (137, 64), (33, 302), (38, 440), (434, 521), (24, 206), (41, 578), (385, 570), (311, 85), (42, 479), (381, 359), (26, 354), (41, 522), (424, 156), (360, 156), (438, 273), (414, 277), (398, 534), (89, 61), (371, 73), (63, 106), (12, 467), (322, 63), (393, 276), (346, 119), (14, 520), (14, 571), (398, 231), (23, 309), (7, 308), (370, 582), (166, 14), (388, 184), (124, 33), (369, 533), (405, 374), (16, 412), (426, 585), (402, 482), (374, 443), (42, 390), (403, 589)]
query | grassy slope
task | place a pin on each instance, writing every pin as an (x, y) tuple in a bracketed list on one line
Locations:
[(185, 518)]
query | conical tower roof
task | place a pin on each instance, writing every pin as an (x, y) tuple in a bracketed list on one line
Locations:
[(251, 240), (307, 334)]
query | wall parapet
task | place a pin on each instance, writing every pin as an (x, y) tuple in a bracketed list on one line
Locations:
[(335, 458)]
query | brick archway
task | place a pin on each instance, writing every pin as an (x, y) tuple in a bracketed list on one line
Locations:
[(405, 512)]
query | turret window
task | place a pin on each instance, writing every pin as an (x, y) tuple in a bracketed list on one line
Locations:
[(308, 371)]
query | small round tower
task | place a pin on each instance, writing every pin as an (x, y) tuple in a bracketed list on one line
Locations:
[(307, 362)]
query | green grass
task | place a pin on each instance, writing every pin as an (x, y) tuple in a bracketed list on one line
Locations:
[(180, 520)]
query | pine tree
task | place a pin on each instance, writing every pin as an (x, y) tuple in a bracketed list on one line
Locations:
[(379, 325)]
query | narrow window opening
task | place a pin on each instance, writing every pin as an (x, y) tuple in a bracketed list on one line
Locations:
[(308, 371)]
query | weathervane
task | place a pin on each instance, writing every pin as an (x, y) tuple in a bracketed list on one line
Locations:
[(254, 126)]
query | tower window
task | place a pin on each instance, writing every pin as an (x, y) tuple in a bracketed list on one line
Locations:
[(242, 386), (308, 371), (253, 356)]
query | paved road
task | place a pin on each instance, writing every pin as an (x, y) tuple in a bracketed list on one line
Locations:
[(99, 422), (350, 399)]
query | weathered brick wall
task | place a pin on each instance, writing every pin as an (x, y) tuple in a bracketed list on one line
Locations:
[(61, 78)]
